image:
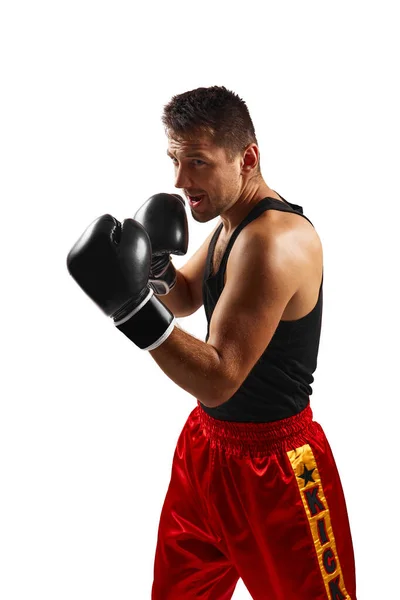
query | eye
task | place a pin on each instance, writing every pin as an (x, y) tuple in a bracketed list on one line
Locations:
[(196, 162)]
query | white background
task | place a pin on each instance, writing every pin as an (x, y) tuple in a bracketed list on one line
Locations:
[(88, 422)]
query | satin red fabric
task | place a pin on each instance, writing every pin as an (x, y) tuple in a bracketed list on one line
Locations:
[(259, 501)]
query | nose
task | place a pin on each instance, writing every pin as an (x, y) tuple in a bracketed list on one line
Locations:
[(181, 179)]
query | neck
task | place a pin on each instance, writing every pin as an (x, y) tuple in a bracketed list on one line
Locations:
[(247, 199)]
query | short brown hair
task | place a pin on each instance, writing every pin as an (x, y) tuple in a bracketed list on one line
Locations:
[(215, 111)]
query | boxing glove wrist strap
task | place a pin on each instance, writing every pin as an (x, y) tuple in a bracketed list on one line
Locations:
[(162, 284), (148, 324)]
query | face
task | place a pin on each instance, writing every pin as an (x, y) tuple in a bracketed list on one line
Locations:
[(211, 182)]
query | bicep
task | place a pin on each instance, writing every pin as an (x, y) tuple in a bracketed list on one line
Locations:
[(259, 286)]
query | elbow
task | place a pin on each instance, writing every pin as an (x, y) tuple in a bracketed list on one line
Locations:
[(222, 384), (220, 394)]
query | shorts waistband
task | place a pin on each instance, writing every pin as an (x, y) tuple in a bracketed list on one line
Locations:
[(257, 438)]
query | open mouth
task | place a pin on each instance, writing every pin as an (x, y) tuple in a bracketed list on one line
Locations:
[(195, 200)]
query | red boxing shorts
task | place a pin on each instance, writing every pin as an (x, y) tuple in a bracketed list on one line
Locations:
[(257, 501)]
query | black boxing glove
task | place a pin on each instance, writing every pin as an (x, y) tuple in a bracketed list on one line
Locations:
[(164, 218), (111, 263)]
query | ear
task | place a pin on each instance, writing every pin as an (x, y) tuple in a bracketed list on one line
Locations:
[(250, 158)]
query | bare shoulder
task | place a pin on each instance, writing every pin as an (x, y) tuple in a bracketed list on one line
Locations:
[(292, 248), (281, 230), (285, 225)]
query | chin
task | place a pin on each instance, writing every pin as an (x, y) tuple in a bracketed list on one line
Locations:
[(203, 217), (200, 219)]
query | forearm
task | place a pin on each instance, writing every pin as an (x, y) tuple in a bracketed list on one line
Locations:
[(179, 300), (195, 366)]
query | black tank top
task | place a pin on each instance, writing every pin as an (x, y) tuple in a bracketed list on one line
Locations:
[(279, 385)]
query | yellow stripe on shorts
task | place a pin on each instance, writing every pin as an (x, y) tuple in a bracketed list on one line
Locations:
[(316, 506)]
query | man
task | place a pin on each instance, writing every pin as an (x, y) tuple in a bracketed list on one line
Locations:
[(254, 489)]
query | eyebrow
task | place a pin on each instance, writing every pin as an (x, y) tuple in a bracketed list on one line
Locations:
[(191, 155)]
